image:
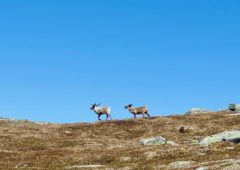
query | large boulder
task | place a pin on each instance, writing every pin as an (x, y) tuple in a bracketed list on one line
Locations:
[(227, 136), (234, 107), (197, 111)]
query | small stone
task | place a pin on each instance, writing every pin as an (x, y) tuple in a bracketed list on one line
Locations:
[(67, 132), (194, 142), (202, 168), (125, 159), (172, 143), (181, 164), (229, 148), (83, 166)]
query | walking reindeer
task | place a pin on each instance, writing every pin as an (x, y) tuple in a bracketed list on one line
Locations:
[(137, 111), (101, 111)]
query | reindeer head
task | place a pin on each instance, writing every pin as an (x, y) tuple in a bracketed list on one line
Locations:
[(94, 106), (128, 106)]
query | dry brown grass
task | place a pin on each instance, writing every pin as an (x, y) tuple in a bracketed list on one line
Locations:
[(113, 144)]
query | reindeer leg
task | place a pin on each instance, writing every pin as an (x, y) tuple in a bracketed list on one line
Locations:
[(99, 118), (107, 117), (147, 114), (135, 116)]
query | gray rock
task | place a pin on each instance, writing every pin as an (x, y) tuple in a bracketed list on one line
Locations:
[(83, 166), (181, 164), (158, 140), (171, 143), (227, 135), (234, 107), (229, 148), (235, 140), (197, 111), (202, 168), (194, 142), (125, 159)]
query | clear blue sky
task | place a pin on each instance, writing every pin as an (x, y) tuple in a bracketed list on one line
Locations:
[(57, 57)]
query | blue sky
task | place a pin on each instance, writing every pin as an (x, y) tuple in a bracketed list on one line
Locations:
[(57, 57)]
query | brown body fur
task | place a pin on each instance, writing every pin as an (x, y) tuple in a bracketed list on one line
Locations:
[(138, 111)]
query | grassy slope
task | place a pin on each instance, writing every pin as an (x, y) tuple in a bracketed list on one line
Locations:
[(113, 144)]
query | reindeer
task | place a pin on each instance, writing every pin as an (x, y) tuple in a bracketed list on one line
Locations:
[(101, 111), (137, 111)]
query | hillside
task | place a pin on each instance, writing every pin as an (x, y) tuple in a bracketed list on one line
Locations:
[(115, 144)]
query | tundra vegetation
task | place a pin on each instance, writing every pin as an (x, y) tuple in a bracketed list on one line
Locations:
[(115, 144)]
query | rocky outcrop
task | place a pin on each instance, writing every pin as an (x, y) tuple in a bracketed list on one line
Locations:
[(234, 107), (227, 135), (197, 111)]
